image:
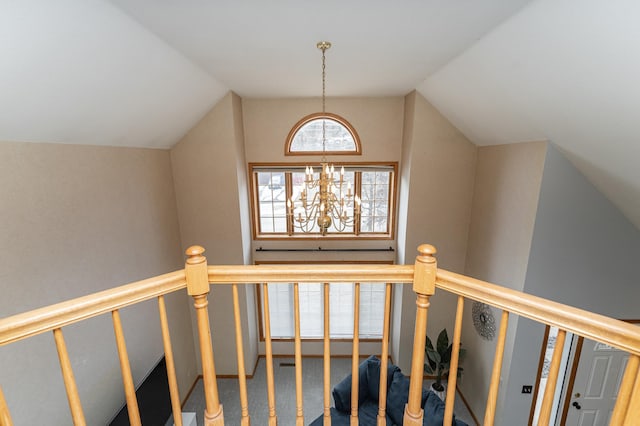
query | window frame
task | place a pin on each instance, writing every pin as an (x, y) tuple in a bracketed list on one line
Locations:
[(289, 168), (259, 301), (317, 116)]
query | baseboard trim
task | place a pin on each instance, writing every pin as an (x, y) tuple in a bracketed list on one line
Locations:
[(184, 401)]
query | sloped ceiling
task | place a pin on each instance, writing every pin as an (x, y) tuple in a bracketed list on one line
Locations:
[(566, 71), (143, 72), (84, 72)]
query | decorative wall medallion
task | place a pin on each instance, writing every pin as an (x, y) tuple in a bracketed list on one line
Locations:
[(483, 320)]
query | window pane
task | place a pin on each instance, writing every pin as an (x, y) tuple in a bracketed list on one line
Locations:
[(266, 224), (309, 137), (312, 310), (281, 310), (280, 224), (382, 192), (272, 198), (271, 215), (371, 310), (375, 201), (341, 310), (380, 224), (311, 194)]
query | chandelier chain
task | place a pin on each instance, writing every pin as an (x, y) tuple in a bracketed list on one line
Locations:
[(326, 201), (324, 130)]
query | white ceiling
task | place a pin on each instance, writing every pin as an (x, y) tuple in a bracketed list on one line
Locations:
[(143, 72)]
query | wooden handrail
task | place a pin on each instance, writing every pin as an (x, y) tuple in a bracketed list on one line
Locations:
[(49, 318), (225, 274), (619, 334)]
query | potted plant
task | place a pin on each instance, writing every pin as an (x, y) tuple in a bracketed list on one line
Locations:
[(438, 359)]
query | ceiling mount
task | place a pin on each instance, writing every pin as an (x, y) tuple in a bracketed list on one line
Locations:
[(323, 45)]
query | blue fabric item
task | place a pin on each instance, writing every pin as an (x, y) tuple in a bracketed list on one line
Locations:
[(397, 397), (342, 391), (373, 376), (434, 411)]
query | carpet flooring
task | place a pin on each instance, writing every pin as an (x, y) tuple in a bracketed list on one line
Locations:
[(285, 384)]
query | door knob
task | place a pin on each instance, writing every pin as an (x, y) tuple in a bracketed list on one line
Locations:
[(575, 404)]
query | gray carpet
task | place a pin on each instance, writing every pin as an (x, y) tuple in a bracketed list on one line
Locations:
[(285, 393)]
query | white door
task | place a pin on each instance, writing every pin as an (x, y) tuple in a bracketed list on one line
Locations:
[(596, 384)]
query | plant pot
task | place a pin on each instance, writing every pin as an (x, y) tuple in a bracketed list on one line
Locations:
[(441, 394)]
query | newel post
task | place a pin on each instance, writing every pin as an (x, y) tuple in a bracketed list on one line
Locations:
[(198, 287), (424, 285)]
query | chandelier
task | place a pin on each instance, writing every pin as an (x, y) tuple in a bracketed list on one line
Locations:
[(327, 199)]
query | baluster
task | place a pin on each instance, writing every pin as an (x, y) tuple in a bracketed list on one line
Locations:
[(198, 287), (327, 358), (355, 356), (384, 358), (5, 416), (453, 365), (424, 284), (171, 369), (271, 391), (298, 356), (624, 393), (69, 381), (552, 379), (125, 368), (242, 379), (492, 400)]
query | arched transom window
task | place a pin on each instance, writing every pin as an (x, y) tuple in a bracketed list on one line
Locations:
[(305, 138)]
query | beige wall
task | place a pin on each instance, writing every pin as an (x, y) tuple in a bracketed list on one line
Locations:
[(76, 220), (507, 187), (212, 209), (378, 121), (438, 165)]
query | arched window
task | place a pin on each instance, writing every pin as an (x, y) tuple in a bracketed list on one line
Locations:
[(305, 138)]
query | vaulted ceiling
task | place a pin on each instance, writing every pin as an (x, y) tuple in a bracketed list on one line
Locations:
[(143, 72)]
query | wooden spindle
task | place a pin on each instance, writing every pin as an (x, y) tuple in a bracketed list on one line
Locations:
[(384, 358), (624, 393), (271, 391), (453, 365), (5, 415), (174, 393), (424, 285), (327, 358), (242, 375), (69, 381), (355, 355), (494, 386), (552, 379), (198, 288), (125, 369), (631, 418), (298, 356)]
